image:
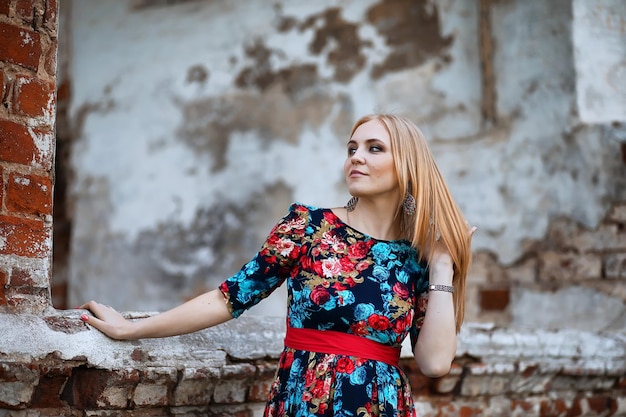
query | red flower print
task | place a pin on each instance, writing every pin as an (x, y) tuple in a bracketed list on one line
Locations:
[(319, 389), (403, 322), (401, 289), (346, 264), (309, 377), (345, 366), (331, 267), (358, 250), (330, 218), (285, 246), (295, 225), (288, 360), (272, 260), (378, 322), (318, 268), (319, 295), (349, 282), (362, 266), (359, 328), (306, 263)]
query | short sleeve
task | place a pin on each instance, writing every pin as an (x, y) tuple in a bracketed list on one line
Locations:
[(272, 264)]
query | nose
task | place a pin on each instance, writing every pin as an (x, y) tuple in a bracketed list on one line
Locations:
[(356, 158)]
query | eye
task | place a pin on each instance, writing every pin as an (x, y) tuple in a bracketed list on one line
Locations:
[(375, 148), (351, 150)]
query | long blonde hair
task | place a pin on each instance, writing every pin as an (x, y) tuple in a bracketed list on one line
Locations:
[(437, 219)]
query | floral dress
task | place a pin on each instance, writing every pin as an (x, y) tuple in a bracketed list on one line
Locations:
[(340, 280)]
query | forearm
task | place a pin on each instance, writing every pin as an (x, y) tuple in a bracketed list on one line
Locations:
[(206, 310), (436, 344)]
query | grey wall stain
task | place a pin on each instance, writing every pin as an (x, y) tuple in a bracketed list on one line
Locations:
[(411, 29), (274, 116)]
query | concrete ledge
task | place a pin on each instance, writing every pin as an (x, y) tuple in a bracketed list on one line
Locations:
[(62, 334), (57, 365)]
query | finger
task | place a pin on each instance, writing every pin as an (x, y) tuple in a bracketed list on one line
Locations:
[(96, 308), (93, 321)]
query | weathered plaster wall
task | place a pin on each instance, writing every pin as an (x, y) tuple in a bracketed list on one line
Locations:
[(197, 124)]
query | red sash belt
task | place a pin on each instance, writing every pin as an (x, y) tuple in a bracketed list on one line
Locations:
[(329, 341)]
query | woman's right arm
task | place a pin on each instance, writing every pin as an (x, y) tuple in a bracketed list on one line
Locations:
[(206, 310)]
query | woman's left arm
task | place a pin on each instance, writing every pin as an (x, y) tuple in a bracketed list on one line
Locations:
[(436, 345)]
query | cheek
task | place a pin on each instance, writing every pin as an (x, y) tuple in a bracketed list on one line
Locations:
[(346, 167)]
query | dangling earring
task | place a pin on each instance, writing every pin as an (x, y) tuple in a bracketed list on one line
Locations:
[(409, 205), (351, 204)]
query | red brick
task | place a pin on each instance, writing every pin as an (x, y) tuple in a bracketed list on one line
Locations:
[(25, 9), (4, 7), (601, 404), (17, 145), (466, 411), (258, 391), (50, 63), (1, 188), (553, 408), (51, 15), (24, 237), (20, 46), (29, 194), (27, 299), (87, 387), (521, 404), (33, 97), (494, 299), (48, 391), (3, 283), (20, 278), (420, 384), (3, 80)]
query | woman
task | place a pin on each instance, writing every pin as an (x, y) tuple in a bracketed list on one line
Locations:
[(392, 262)]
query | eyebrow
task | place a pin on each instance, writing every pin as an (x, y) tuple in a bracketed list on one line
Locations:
[(370, 140)]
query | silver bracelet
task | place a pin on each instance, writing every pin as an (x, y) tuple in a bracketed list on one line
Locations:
[(437, 287)]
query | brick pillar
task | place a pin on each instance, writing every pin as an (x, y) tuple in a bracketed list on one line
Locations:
[(28, 50)]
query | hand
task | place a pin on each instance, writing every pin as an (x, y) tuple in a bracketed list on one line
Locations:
[(441, 259), (107, 320)]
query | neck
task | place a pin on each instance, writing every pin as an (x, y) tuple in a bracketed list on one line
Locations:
[(376, 219)]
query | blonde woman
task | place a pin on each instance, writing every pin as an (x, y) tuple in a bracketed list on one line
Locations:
[(392, 263)]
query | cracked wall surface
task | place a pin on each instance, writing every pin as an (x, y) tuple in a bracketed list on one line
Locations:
[(196, 125)]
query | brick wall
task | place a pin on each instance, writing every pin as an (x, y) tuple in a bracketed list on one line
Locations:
[(58, 366), (570, 255), (27, 87)]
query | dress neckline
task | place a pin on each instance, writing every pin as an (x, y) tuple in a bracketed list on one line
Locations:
[(347, 226)]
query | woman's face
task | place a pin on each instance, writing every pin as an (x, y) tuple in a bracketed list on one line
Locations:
[(369, 168)]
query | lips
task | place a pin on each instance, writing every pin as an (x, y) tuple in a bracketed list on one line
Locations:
[(356, 173)]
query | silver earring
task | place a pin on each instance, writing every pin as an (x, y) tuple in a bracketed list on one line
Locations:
[(351, 204), (409, 205)]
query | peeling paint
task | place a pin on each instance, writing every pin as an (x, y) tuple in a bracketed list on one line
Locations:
[(274, 116), (339, 39), (411, 28)]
